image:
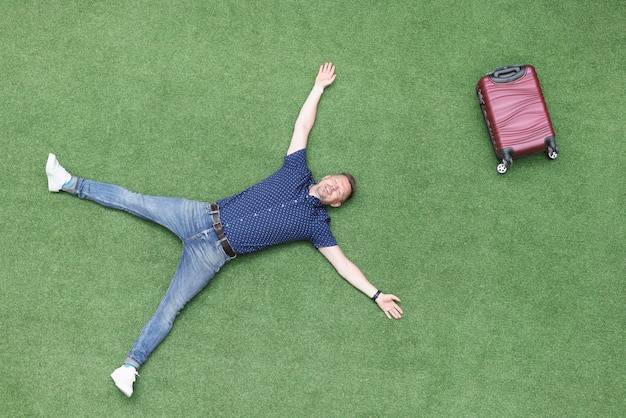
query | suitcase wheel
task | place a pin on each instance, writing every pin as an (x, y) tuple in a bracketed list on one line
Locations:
[(506, 162), (552, 153)]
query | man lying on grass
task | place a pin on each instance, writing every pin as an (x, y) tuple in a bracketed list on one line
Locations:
[(287, 206)]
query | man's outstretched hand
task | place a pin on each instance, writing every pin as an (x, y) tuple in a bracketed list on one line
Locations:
[(326, 75), (387, 303)]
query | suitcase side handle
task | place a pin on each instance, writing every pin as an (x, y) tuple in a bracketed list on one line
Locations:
[(507, 74)]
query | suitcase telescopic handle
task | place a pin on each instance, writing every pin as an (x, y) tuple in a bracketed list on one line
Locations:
[(507, 74)]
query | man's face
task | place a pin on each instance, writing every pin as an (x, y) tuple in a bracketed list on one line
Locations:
[(333, 190)]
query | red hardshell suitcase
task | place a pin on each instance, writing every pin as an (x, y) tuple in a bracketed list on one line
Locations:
[(516, 114)]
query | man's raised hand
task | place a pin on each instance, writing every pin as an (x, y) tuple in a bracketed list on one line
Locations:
[(326, 75)]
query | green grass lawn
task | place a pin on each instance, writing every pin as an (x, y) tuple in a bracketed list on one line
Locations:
[(512, 286)]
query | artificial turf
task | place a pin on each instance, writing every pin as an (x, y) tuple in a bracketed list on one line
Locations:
[(512, 286)]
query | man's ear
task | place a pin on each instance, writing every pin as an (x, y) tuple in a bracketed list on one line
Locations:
[(336, 204)]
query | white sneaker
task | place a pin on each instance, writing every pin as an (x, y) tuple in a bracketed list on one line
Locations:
[(124, 377), (57, 175)]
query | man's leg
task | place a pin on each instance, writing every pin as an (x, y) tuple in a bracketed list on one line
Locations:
[(202, 257), (181, 216)]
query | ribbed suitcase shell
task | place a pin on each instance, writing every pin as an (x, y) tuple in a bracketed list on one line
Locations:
[(516, 113)]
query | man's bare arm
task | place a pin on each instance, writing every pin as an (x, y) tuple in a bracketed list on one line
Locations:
[(349, 271), (306, 117)]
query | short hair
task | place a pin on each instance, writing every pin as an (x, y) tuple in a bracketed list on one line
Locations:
[(352, 182)]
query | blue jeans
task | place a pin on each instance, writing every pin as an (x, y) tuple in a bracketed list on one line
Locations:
[(202, 255)]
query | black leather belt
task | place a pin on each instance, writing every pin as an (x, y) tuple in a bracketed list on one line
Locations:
[(219, 231)]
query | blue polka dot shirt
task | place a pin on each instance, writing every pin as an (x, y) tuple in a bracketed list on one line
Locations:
[(277, 210)]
